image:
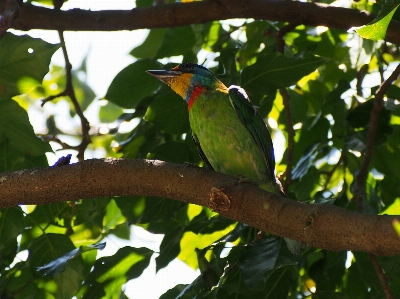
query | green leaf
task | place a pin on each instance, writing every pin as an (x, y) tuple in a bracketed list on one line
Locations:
[(376, 30), (20, 282), (314, 130), (132, 84), (329, 295), (172, 151), (14, 123), (12, 159), (57, 266), (49, 247), (11, 226), (111, 272), (151, 45), (176, 41), (83, 92), (261, 259), (227, 72), (22, 56), (305, 162), (143, 3), (174, 292), (148, 209), (307, 185), (169, 248), (327, 270), (276, 70), (362, 280), (169, 112)]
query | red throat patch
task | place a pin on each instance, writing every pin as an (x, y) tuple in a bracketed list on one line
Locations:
[(197, 90)]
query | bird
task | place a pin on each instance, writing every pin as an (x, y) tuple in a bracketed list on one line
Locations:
[(229, 132)]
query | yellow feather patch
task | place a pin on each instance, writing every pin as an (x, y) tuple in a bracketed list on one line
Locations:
[(180, 84), (221, 87)]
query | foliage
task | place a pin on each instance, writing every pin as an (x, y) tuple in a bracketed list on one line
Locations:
[(331, 77)]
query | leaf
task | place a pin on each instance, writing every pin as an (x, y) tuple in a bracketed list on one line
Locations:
[(174, 292), (11, 226), (176, 41), (111, 272), (151, 45), (261, 259), (227, 72), (83, 92), (49, 247), (109, 112), (326, 269), (315, 130), (20, 282), (20, 57), (329, 295), (57, 266), (169, 248), (12, 159), (132, 84), (172, 151), (376, 30), (143, 3), (277, 70), (169, 112), (305, 162), (362, 280), (15, 125)]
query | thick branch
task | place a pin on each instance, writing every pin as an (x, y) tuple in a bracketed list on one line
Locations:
[(324, 226), (179, 14)]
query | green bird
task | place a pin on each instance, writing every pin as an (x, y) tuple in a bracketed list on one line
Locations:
[(230, 134)]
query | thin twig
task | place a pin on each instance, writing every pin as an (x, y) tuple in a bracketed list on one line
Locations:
[(53, 138), (330, 173), (50, 98), (69, 90), (289, 125), (280, 45), (360, 78), (382, 276), (373, 123), (359, 191)]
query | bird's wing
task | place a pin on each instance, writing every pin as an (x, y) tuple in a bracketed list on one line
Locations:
[(253, 121), (201, 153)]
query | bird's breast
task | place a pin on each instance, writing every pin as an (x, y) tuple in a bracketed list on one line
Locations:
[(225, 141)]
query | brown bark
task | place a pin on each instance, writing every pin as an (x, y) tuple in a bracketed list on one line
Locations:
[(320, 225), (179, 14)]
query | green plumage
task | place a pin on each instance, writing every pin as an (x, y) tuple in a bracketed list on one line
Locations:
[(230, 134), (227, 143)]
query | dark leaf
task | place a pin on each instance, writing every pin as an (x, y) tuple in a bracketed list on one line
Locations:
[(15, 125), (132, 84), (276, 70), (261, 259)]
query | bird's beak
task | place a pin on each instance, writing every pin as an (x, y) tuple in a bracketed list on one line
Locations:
[(165, 76)]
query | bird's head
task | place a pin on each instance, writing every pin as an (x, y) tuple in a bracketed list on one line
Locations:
[(187, 78)]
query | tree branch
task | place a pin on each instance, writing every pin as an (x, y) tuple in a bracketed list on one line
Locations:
[(382, 276), (280, 42), (179, 14), (359, 191), (69, 89), (320, 225)]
